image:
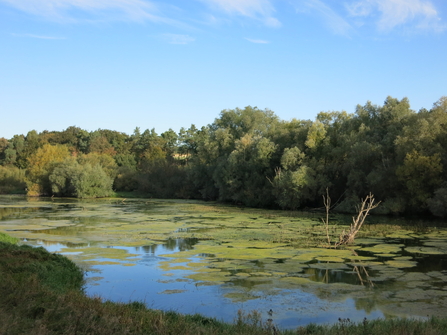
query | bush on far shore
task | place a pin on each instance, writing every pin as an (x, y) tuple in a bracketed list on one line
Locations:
[(12, 180)]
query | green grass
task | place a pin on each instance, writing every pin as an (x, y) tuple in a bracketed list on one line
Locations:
[(41, 293), (23, 263), (433, 326), (8, 239)]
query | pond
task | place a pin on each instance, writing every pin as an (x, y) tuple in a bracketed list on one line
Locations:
[(214, 259)]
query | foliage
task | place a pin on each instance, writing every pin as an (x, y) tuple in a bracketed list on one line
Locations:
[(293, 189), (126, 179), (248, 156), (12, 180), (5, 238), (63, 176), (295, 184), (92, 182), (438, 203), (41, 165), (161, 179), (420, 174), (127, 160), (99, 144), (71, 178), (107, 163)]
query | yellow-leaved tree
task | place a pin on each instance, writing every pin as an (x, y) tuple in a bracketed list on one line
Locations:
[(41, 165)]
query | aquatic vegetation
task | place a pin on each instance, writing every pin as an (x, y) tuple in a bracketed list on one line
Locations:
[(250, 256), (172, 291), (401, 263), (95, 253), (426, 250), (384, 248), (216, 278)]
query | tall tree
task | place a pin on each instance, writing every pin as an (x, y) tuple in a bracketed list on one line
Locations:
[(41, 165)]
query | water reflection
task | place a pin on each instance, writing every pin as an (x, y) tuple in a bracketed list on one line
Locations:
[(17, 213), (171, 244), (330, 276), (149, 251), (180, 244)]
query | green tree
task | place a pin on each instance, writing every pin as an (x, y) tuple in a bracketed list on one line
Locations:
[(92, 182), (236, 154), (100, 145), (188, 141), (295, 183), (62, 177), (119, 141), (242, 178), (127, 160), (316, 135), (248, 120), (31, 144), (69, 178), (421, 175), (438, 203), (12, 180), (3, 146), (105, 161), (14, 151), (10, 155), (170, 139), (127, 179)]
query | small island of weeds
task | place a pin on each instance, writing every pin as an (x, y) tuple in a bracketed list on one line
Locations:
[(41, 293)]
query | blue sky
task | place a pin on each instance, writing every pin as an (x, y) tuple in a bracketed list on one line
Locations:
[(121, 64)]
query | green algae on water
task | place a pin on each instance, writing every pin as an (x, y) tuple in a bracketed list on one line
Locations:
[(249, 254)]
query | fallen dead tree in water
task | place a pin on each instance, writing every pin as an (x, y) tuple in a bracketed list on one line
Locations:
[(347, 237)]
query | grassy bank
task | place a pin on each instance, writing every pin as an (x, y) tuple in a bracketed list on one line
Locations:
[(41, 293), (8, 239)]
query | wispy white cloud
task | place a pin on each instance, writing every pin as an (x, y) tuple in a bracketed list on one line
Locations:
[(63, 10), (422, 14), (42, 37), (256, 9), (257, 41), (331, 18), (243, 7), (177, 38), (272, 22)]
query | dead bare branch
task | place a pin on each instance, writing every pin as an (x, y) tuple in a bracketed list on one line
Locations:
[(327, 205), (366, 205)]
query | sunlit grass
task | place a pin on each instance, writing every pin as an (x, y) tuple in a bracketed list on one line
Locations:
[(8, 239)]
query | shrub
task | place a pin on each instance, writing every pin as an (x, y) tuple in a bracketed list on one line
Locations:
[(438, 204), (92, 182), (12, 180), (70, 178)]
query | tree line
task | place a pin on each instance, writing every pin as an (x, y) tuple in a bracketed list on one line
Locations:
[(249, 156)]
